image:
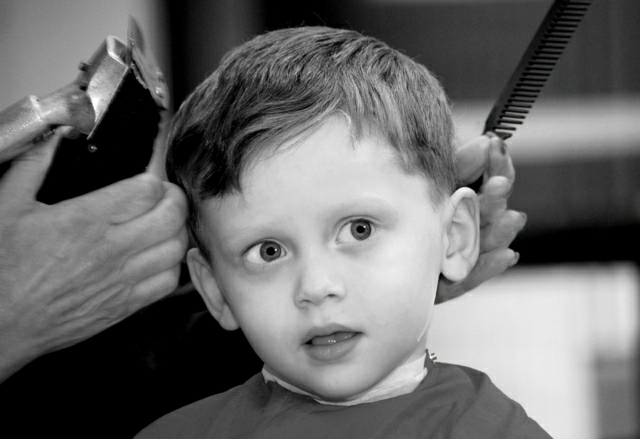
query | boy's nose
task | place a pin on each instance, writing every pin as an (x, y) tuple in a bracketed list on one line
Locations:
[(319, 280)]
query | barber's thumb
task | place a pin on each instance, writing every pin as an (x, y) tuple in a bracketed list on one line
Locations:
[(472, 159), (27, 172)]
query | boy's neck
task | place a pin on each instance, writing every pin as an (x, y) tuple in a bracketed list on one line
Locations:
[(405, 379)]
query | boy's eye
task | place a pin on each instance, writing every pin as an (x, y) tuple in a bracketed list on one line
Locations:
[(358, 230), (267, 251)]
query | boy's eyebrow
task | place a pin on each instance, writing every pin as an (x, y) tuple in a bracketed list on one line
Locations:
[(242, 236), (365, 201), (235, 236)]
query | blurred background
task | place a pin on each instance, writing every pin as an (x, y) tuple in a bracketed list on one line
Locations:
[(559, 332)]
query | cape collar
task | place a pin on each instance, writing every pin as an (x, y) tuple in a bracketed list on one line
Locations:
[(405, 379)]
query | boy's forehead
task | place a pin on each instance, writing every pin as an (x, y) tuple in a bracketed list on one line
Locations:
[(315, 157), (326, 170), (316, 141)]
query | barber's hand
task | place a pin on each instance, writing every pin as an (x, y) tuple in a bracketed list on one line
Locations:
[(487, 156), (71, 270)]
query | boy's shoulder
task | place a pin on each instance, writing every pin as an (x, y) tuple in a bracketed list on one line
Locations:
[(452, 401), (201, 418), (477, 406)]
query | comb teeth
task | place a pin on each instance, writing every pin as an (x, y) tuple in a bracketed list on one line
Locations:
[(536, 66)]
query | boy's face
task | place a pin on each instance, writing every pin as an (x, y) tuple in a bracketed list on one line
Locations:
[(328, 260)]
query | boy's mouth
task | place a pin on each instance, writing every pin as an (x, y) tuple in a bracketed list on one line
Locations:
[(330, 339), (331, 343)]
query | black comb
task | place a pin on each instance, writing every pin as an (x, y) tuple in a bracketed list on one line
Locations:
[(536, 65)]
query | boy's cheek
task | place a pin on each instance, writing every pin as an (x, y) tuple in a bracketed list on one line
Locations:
[(253, 293)]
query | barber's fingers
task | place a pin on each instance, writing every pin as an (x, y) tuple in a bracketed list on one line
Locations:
[(502, 231), (122, 201), (160, 223), (472, 159), (157, 258), (155, 270), (486, 155), (500, 162), (21, 182), (156, 163), (153, 289), (493, 199)]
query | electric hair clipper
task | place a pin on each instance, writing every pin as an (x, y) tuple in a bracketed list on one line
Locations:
[(114, 108)]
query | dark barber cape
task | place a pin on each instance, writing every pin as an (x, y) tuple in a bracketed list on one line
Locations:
[(111, 386), (451, 402)]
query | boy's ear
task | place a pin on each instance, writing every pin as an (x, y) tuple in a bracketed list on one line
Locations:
[(462, 234), (205, 282)]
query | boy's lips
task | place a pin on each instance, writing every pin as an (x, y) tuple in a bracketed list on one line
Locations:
[(330, 342), (328, 334)]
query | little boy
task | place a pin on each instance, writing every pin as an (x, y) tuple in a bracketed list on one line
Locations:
[(319, 169)]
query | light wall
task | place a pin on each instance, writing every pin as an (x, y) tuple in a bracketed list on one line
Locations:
[(561, 340)]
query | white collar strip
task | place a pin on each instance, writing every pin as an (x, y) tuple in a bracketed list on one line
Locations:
[(405, 379)]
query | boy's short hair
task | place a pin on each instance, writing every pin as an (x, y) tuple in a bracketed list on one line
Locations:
[(284, 84)]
